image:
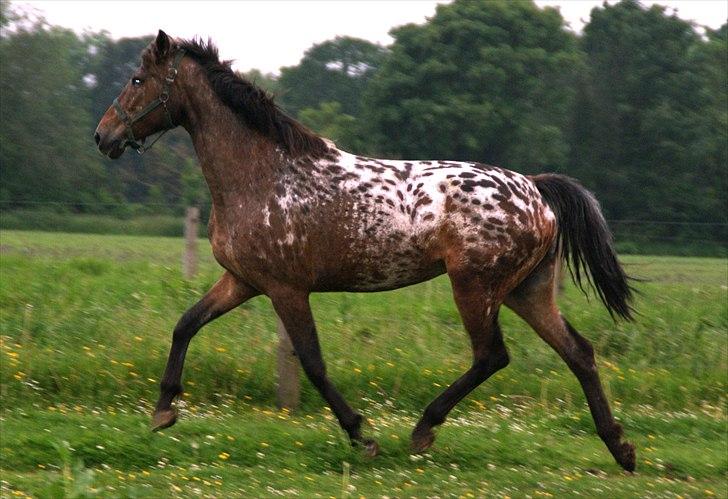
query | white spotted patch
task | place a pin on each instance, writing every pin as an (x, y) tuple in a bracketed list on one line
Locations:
[(398, 210)]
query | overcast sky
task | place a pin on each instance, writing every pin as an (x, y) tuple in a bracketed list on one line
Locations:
[(270, 34)]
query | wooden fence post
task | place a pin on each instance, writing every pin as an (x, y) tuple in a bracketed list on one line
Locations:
[(192, 219), (289, 386)]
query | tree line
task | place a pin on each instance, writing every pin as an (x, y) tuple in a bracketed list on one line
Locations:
[(636, 107)]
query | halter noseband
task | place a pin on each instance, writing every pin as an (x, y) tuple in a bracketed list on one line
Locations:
[(159, 101)]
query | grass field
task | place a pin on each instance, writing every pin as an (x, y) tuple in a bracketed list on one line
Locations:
[(86, 321)]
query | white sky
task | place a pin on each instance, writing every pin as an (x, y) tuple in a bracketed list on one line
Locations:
[(274, 33)]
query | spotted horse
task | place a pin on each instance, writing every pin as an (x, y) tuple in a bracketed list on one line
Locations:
[(292, 214)]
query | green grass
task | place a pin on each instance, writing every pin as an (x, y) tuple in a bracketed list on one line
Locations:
[(89, 223), (259, 453), (86, 320)]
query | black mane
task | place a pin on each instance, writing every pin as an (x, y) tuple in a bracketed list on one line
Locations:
[(254, 106)]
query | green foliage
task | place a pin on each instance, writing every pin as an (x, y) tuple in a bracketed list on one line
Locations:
[(267, 82), (54, 88), (487, 81), (652, 134), (46, 149), (76, 479), (329, 121), (337, 70)]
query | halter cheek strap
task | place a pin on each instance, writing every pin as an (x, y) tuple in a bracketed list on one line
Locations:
[(129, 121)]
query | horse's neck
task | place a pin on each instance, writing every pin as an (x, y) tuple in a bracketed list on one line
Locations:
[(239, 164)]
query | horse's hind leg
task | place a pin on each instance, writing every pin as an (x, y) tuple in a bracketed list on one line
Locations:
[(295, 312), (226, 294), (479, 312), (534, 301)]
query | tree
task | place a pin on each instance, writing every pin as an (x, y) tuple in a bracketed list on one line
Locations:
[(647, 102), (329, 121), (708, 152), (266, 81), (482, 80), (333, 71), (46, 149)]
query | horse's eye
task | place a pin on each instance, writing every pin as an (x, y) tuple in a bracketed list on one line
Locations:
[(137, 82)]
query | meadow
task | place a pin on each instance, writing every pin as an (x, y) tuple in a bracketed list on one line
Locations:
[(86, 321)]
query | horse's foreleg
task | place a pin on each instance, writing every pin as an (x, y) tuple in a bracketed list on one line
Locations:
[(480, 318), (226, 294), (295, 312)]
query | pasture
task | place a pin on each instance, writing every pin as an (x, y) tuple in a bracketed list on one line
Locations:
[(86, 320)]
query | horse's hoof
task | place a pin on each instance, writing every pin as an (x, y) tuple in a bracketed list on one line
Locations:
[(163, 419), (421, 440), (627, 457), (370, 447)]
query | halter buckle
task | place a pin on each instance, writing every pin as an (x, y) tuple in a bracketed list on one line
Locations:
[(164, 97), (171, 74)]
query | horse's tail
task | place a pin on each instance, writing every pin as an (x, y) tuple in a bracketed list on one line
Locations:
[(586, 242)]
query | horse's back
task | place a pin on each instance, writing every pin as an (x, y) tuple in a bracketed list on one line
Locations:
[(409, 221)]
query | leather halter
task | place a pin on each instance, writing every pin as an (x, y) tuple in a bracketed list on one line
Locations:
[(159, 101)]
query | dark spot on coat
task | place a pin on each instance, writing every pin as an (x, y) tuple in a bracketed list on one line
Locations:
[(423, 201), (404, 175)]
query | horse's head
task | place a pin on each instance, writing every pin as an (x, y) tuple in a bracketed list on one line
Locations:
[(150, 102)]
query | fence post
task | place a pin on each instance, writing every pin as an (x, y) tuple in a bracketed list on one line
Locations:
[(289, 386), (192, 218)]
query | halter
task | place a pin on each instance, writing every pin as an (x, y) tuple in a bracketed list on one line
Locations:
[(159, 101)]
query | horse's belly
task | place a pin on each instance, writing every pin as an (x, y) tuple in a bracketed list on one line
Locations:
[(395, 276), (379, 264)]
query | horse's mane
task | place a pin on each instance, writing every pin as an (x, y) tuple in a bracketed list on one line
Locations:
[(254, 106)]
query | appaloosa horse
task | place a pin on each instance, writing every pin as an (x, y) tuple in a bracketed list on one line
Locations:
[(292, 214)]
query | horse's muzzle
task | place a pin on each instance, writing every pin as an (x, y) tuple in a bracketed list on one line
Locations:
[(109, 146)]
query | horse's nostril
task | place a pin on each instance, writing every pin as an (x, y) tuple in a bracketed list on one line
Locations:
[(97, 138)]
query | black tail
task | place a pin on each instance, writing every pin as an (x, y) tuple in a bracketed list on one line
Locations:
[(586, 242)]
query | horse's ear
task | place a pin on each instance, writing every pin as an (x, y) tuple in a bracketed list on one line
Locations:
[(161, 44)]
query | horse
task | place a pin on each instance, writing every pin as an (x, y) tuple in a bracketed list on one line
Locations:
[(292, 214)]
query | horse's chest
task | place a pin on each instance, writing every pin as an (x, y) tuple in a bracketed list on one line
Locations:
[(257, 242)]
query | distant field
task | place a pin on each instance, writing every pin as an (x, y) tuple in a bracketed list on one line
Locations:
[(86, 323)]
